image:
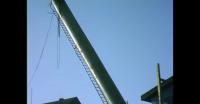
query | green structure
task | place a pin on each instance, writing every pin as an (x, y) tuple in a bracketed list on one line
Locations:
[(95, 69), (158, 78), (73, 100), (167, 93)]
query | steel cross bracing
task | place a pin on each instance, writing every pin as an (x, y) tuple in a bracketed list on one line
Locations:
[(87, 69)]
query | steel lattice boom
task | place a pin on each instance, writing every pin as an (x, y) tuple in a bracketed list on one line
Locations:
[(95, 69)]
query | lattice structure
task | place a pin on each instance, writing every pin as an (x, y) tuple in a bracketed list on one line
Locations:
[(86, 67)]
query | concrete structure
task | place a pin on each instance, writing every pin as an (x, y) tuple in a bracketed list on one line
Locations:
[(167, 93), (73, 100)]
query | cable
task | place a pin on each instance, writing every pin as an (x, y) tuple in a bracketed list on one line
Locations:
[(58, 44), (31, 96), (33, 75)]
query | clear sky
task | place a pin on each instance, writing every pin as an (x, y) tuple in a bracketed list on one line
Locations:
[(129, 36)]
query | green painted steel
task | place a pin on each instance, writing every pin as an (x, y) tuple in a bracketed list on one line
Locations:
[(97, 68), (158, 83)]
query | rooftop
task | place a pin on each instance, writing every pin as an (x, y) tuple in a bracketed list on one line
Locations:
[(153, 92), (73, 100)]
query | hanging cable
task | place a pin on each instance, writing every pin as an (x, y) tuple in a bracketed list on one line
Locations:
[(47, 35), (31, 96), (58, 44)]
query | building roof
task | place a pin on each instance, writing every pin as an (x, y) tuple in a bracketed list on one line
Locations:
[(73, 100), (153, 92)]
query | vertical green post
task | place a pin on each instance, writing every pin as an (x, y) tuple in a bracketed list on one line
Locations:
[(158, 83)]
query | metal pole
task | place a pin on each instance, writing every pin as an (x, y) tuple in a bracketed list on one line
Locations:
[(158, 83)]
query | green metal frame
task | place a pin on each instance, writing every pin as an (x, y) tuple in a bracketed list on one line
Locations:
[(152, 92), (96, 67), (158, 83)]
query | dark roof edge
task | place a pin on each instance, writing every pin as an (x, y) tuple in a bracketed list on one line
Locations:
[(145, 96), (63, 99)]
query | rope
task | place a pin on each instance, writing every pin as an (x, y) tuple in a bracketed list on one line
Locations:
[(31, 96), (37, 66), (58, 44)]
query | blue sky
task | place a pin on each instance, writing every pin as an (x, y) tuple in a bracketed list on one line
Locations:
[(129, 36)]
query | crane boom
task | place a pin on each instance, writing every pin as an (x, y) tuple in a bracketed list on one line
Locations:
[(101, 80)]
